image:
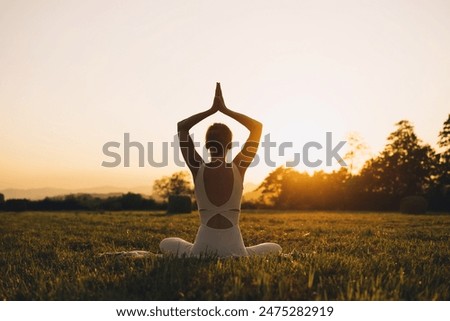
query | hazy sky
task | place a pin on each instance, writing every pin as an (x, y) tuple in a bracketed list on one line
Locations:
[(77, 74)]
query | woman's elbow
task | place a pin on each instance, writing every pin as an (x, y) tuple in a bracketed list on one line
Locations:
[(181, 126), (258, 126)]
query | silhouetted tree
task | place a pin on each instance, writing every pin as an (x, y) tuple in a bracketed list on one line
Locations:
[(177, 184), (272, 185), (357, 153), (295, 190), (331, 189), (72, 202), (16, 205), (2, 198), (439, 196), (286, 188), (444, 155), (131, 201), (405, 166)]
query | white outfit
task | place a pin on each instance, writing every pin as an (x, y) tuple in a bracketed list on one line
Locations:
[(221, 242)]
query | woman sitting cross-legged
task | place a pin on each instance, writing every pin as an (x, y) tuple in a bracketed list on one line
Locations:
[(218, 187)]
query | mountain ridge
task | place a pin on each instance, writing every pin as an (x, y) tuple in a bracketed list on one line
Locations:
[(43, 192)]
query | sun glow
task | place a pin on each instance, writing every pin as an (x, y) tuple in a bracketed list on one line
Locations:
[(76, 75)]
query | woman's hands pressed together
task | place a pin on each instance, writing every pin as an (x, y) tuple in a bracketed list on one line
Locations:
[(218, 103)]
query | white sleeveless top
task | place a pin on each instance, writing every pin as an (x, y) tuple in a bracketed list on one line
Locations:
[(223, 242), (230, 209)]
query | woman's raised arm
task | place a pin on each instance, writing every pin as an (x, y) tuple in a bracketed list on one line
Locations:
[(190, 155), (244, 158)]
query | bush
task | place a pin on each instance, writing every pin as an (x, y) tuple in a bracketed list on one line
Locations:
[(413, 205), (16, 205), (179, 204)]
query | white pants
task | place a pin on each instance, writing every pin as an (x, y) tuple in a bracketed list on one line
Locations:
[(224, 243)]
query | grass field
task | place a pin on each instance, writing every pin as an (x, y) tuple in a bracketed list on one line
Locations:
[(327, 256)]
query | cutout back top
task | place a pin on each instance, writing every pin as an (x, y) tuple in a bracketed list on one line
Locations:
[(219, 231), (230, 209)]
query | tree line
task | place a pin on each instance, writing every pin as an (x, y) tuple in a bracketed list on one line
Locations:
[(129, 201), (406, 175)]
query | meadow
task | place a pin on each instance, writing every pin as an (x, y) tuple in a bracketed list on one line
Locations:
[(326, 256)]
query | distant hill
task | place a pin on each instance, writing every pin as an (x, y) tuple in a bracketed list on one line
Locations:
[(40, 193), (101, 191)]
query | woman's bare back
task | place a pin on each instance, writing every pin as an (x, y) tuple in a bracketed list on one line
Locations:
[(218, 182)]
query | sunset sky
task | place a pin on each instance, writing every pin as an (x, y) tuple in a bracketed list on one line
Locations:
[(75, 75)]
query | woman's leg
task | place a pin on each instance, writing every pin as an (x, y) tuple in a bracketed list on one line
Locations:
[(175, 246), (264, 249)]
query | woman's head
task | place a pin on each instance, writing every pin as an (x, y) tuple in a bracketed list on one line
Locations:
[(218, 139)]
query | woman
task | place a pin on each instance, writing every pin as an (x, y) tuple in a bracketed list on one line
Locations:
[(218, 187)]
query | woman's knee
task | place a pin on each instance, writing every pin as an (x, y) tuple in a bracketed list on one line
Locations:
[(167, 244), (175, 245), (264, 249)]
